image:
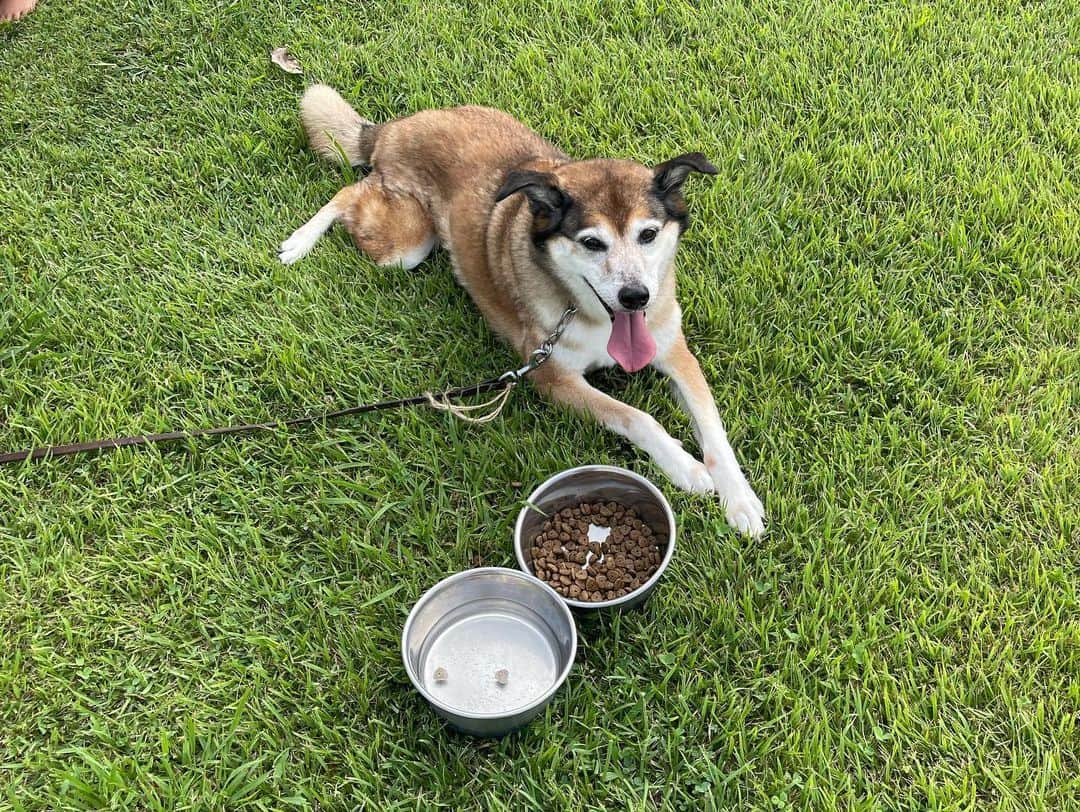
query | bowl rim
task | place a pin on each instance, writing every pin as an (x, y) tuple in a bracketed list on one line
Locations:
[(481, 571), (519, 542)]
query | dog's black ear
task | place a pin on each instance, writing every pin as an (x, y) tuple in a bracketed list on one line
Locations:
[(670, 175), (541, 189), (547, 201), (668, 179)]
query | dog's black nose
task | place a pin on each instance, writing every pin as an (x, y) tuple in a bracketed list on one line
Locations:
[(634, 297)]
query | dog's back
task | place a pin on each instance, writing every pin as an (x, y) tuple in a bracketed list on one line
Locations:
[(451, 148)]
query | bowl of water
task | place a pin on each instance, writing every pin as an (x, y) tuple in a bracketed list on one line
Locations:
[(488, 648)]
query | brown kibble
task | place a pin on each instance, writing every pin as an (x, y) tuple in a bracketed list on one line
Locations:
[(631, 554)]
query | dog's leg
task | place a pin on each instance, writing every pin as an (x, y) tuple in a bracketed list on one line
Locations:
[(744, 510), (644, 431), (390, 227), (304, 238)]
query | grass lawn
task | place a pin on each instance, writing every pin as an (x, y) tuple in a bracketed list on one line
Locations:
[(882, 285)]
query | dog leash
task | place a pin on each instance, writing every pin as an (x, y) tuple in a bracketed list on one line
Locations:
[(442, 401)]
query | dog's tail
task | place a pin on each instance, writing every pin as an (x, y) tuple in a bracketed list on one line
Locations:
[(334, 129)]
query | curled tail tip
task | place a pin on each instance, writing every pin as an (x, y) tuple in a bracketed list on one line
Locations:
[(317, 91)]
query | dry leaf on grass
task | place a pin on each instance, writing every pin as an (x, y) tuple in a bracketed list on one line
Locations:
[(286, 61)]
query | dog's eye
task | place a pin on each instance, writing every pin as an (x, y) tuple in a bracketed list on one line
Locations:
[(593, 244), (647, 236)]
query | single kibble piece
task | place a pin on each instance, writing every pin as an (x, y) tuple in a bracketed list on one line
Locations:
[(440, 674), (502, 676)]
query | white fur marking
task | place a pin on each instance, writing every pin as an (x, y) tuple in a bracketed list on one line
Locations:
[(626, 261), (414, 256), (304, 238)]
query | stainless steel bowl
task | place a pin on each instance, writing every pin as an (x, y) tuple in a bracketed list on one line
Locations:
[(488, 648), (598, 483)]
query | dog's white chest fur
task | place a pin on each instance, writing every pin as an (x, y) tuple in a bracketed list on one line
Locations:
[(583, 346)]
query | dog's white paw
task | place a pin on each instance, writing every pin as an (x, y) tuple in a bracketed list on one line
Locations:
[(747, 515), (297, 246), (690, 475), (743, 508)]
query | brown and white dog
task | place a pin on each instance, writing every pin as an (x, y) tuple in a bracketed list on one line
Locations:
[(529, 230)]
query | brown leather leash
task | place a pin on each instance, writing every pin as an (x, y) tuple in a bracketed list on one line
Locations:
[(171, 436), (442, 400)]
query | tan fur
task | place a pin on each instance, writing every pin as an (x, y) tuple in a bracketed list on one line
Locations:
[(434, 179), (385, 224)]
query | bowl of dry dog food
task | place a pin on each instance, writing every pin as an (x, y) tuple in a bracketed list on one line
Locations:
[(599, 535)]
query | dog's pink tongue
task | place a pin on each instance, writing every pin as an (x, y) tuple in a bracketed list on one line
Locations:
[(631, 344)]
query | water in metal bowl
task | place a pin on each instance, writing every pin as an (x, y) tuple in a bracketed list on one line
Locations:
[(488, 648)]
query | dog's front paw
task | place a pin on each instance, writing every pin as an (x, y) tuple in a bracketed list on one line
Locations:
[(689, 474), (744, 510), (746, 514)]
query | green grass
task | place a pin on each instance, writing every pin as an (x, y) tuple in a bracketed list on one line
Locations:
[(882, 285)]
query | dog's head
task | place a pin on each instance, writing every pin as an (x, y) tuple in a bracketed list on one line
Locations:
[(608, 230)]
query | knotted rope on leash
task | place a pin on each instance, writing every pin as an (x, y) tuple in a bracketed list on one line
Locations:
[(443, 404), (497, 403)]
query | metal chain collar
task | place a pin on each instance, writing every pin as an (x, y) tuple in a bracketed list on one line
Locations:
[(543, 352)]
